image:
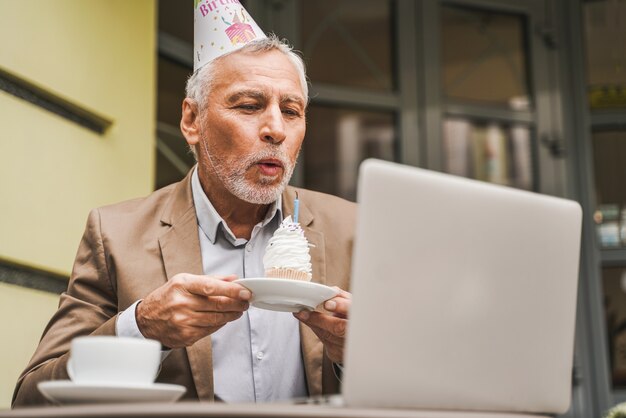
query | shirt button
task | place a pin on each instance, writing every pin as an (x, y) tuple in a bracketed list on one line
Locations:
[(259, 355), (249, 247)]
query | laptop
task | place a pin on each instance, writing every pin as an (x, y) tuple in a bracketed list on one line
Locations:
[(464, 295)]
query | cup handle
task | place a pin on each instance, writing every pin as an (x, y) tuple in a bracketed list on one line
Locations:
[(69, 368)]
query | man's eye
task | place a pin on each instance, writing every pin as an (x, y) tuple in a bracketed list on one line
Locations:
[(248, 107), (291, 112)]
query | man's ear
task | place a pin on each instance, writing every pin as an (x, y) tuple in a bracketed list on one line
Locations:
[(190, 122)]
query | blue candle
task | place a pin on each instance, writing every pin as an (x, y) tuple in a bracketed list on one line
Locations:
[(296, 208)]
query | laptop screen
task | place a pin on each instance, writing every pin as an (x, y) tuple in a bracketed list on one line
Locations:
[(464, 294)]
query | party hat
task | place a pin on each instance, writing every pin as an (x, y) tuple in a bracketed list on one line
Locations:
[(220, 27)]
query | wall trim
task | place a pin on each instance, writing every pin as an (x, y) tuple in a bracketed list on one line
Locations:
[(32, 278), (45, 99)]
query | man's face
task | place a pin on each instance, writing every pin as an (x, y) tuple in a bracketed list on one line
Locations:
[(252, 127)]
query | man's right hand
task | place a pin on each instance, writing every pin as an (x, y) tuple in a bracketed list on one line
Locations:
[(189, 307)]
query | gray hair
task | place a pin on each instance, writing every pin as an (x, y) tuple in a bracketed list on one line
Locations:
[(200, 82)]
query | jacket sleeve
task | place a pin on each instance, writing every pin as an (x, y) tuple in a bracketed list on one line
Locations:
[(88, 307)]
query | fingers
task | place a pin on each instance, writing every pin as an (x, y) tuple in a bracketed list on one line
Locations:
[(338, 306), (213, 304), (190, 318), (343, 293), (326, 337), (212, 286), (189, 307), (328, 327), (186, 336)]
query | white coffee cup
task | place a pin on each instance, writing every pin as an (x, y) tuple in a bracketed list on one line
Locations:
[(110, 360)]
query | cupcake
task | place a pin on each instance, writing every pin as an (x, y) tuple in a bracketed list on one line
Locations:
[(287, 253)]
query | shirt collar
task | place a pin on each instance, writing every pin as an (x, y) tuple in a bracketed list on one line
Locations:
[(208, 218)]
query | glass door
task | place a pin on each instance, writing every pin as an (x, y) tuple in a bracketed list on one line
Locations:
[(604, 23), (497, 88), (488, 71)]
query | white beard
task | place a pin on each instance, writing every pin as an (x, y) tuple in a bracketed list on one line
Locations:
[(232, 175)]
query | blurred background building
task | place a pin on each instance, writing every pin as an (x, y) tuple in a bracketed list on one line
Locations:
[(525, 93)]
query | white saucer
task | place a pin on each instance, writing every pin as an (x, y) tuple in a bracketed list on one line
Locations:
[(66, 392), (286, 295)]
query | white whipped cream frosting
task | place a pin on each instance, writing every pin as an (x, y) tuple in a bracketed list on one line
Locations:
[(288, 248)]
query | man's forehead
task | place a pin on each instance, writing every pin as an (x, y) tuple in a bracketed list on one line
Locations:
[(257, 74), (269, 63)]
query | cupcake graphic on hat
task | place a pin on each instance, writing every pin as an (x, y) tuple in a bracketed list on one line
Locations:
[(239, 32)]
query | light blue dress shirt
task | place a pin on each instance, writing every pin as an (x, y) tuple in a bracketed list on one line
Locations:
[(256, 358)]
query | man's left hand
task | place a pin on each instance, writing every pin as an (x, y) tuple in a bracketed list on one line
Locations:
[(330, 327)]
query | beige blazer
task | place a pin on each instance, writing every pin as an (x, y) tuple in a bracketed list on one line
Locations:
[(131, 248)]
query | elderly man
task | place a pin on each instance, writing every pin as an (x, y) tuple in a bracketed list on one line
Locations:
[(162, 267)]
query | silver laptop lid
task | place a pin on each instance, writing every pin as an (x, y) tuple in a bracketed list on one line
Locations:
[(464, 294)]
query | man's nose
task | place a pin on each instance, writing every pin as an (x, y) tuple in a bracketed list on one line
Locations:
[(273, 125)]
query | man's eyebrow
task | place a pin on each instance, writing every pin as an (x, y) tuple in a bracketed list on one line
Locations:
[(291, 98), (263, 97), (252, 94)]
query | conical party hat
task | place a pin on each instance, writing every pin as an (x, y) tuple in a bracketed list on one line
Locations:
[(220, 27)]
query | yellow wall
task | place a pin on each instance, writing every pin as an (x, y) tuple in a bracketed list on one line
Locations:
[(25, 313), (100, 55)]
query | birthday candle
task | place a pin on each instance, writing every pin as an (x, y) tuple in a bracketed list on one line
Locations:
[(296, 208)]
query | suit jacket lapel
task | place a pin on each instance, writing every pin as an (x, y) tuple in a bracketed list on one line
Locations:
[(180, 249), (312, 347)]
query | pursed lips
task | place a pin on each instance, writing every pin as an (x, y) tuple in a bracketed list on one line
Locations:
[(270, 167)]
